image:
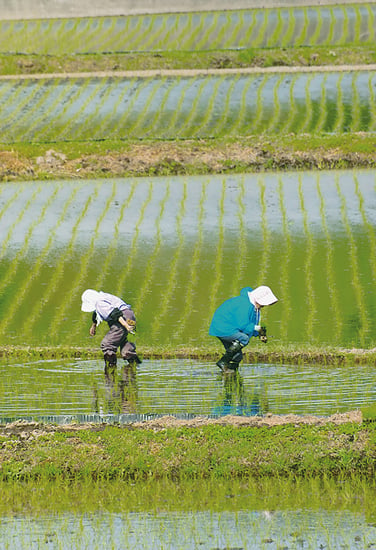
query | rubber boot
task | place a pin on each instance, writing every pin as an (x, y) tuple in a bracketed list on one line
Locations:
[(133, 358), (230, 353), (110, 361), (233, 365)]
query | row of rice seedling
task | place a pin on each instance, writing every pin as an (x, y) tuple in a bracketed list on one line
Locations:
[(172, 269), (286, 253), (39, 296), (86, 258), (187, 107), (255, 28), (189, 283), (179, 248), (363, 322), (308, 267), (330, 269)]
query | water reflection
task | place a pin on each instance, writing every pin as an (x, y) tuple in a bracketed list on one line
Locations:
[(245, 529), (237, 400), (179, 387), (120, 395)]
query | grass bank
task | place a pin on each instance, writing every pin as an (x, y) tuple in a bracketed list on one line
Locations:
[(107, 159), (291, 354), (210, 451), (303, 56)]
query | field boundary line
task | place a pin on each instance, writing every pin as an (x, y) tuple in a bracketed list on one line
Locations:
[(194, 72)]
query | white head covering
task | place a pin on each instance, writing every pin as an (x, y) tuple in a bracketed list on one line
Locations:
[(262, 295), (89, 299)]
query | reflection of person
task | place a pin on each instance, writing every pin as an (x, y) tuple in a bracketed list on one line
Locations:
[(120, 319), (122, 393), (237, 320), (236, 402)]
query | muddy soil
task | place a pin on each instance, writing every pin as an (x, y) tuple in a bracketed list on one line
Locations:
[(166, 158)]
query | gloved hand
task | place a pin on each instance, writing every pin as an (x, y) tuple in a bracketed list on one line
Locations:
[(130, 325), (262, 334)]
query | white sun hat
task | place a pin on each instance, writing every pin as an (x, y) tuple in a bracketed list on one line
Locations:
[(89, 299), (263, 296)]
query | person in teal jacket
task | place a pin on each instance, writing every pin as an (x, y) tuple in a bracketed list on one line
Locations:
[(237, 320)]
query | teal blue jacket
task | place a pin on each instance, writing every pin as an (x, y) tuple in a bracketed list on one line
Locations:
[(234, 315)]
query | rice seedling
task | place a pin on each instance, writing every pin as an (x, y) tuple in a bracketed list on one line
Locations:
[(149, 271), (273, 122), (125, 274), (308, 107), (151, 103), (212, 34), (191, 107), (234, 29), (255, 127), (310, 295), (363, 327), (330, 271), (236, 231), (193, 272), (51, 288), (288, 122), (71, 96), (286, 258), (217, 277), (172, 279), (75, 290), (369, 228)]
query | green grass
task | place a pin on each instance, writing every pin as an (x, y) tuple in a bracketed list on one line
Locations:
[(17, 64), (102, 159), (255, 353), (182, 453)]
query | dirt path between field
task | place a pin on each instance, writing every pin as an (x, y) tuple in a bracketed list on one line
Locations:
[(179, 158), (151, 73)]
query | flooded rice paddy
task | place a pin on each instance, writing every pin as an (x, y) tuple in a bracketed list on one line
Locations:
[(269, 514), (63, 391), (176, 247), (247, 529), (55, 109), (225, 30)]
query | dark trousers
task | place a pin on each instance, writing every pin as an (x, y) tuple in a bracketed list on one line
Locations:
[(117, 337)]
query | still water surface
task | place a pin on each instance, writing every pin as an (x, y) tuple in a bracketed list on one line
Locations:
[(62, 389), (228, 531), (272, 514)]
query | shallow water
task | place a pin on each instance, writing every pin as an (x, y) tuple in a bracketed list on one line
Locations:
[(228, 515), (59, 390), (187, 107), (304, 26), (251, 530)]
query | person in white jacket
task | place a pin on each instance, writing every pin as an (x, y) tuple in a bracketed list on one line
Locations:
[(121, 321)]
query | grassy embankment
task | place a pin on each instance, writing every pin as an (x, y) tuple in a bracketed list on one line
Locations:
[(254, 353), (211, 451)]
